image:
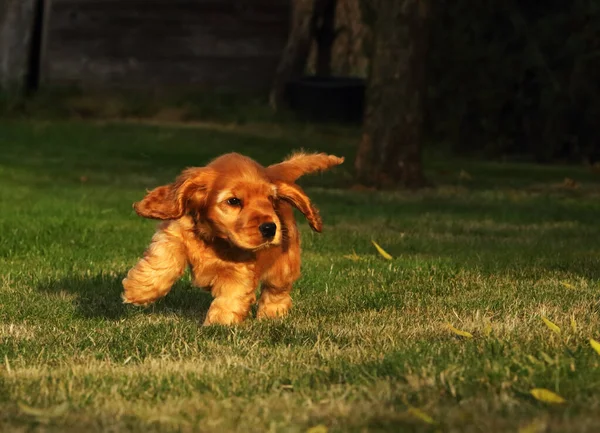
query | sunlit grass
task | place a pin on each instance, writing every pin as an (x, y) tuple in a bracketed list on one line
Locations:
[(448, 335)]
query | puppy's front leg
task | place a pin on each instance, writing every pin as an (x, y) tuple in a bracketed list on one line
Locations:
[(274, 301), (163, 263), (232, 302)]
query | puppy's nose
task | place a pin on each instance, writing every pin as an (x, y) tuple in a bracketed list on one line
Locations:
[(268, 230)]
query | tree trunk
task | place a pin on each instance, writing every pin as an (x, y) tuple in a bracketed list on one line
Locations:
[(295, 54), (16, 25), (389, 153), (325, 34)]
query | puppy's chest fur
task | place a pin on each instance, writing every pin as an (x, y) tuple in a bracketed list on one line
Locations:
[(218, 262)]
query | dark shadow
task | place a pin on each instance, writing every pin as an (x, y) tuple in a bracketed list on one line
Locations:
[(35, 54), (328, 99), (99, 296)]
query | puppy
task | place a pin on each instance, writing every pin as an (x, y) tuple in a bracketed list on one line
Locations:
[(233, 223)]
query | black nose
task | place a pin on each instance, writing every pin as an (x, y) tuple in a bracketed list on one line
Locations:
[(268, 230)]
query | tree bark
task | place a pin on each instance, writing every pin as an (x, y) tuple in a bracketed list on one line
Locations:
[(389, 153), (295, 54), (16, 25), (325, 34)]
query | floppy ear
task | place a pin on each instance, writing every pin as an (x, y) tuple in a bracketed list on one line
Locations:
[(170, 201), (300, 164), (294, 195)]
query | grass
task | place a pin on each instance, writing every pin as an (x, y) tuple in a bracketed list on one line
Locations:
[(366, 348), (172, 105)]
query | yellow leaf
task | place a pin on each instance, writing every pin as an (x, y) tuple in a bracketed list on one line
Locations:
[(418, 413), (536, 426), (381, 251), (547, 358), (570, 183), (595, 345), (573, 324), (166, 419), (547, 396), (487, 330), (354, 257), (52, 412), (317, 429), (551, 326), (459, 332), (567, 285)]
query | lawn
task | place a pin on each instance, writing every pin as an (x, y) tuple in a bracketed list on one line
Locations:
[(491, 250)]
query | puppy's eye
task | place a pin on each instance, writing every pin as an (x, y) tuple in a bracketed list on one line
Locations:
[(233, 201)]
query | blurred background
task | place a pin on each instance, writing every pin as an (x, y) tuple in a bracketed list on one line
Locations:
[(493, 79)]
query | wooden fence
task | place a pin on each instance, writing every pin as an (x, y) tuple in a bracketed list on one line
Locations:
[(148, 44)]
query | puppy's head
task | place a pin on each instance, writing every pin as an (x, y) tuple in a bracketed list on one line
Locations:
[(241, 204), (232, 198)]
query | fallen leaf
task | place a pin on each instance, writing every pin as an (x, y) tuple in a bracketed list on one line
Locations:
[(166, 419), (535, 426), (354, 257), (459, 332), (418, 413), (551, 326), (381, 251), (547, 358), (567, 285), (487, 330), (547, 396), (595, 345), (464, 175), (44, 414), (320, 428), (573, 324), (570, 183)]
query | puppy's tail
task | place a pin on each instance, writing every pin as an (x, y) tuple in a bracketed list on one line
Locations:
[(300, 163)]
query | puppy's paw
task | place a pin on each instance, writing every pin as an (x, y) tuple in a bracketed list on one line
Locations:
[(217, 316), (139, 295), (135, 301), (272, 311)]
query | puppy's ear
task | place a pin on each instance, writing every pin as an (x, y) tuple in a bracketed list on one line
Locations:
[(170, 201), (294, 195), (300, 164)]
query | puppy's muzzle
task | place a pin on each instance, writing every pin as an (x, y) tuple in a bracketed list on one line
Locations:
[(268, 230)]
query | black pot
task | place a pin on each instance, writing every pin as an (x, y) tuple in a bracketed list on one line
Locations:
[(328, 99)]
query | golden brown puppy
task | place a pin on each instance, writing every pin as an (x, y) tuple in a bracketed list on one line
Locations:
[(232, 222)]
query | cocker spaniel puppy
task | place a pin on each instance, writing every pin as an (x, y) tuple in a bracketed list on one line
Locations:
[(232, 222)]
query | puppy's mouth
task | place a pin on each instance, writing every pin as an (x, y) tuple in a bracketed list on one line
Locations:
[(253, 246)]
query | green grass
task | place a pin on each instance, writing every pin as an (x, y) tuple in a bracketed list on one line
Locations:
[(367, 338), (171, 105)]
